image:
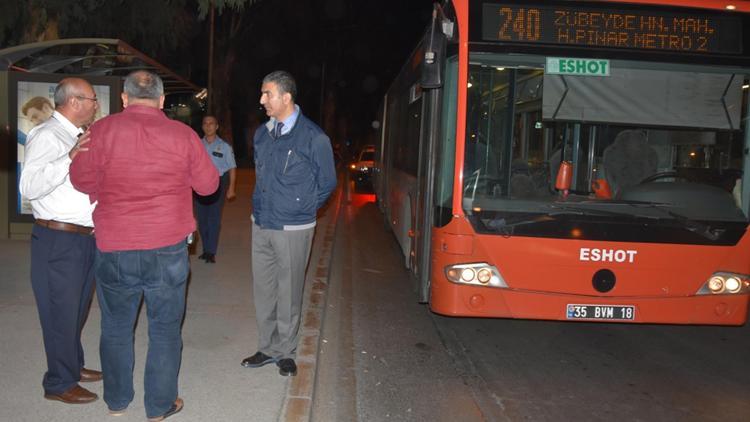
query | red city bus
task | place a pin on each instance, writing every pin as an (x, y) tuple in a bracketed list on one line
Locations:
[(581, 160)]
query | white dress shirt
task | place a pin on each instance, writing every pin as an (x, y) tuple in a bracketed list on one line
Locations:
[(44, 178)]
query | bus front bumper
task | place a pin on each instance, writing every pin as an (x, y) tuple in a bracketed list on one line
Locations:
[(463, 300)]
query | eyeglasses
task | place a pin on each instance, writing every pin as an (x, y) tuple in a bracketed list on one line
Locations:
[(81, 97)]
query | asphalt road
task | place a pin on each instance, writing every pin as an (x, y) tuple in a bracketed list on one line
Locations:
[(386, 358)]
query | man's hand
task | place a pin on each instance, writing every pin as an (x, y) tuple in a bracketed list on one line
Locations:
[(79, 146), (230, 194)]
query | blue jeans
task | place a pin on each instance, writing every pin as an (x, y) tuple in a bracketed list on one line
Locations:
[(123, 278)]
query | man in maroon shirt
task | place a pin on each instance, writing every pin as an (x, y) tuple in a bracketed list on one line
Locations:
[(141, 167)]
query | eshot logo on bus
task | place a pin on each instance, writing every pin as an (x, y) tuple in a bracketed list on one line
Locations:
[(607, 255), (576, 67)]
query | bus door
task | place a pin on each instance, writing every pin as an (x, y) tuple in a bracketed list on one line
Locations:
[(423, 210), (379, 170)]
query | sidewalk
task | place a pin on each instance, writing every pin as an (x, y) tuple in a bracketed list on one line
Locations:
[(219, 331)]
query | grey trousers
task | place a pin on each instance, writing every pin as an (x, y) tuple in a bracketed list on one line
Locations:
[(279, 261)]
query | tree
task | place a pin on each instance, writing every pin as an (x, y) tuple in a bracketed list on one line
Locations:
[(153, 26), (220, 65), (165, 30)]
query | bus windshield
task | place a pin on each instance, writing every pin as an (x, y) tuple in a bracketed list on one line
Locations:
[(635, 147)]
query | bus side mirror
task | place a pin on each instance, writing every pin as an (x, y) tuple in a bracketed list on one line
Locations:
[(433, 61)]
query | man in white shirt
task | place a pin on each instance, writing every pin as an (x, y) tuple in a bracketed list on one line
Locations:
[(62, 241)]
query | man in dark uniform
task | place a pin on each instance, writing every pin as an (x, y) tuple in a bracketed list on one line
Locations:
[(208, 208)]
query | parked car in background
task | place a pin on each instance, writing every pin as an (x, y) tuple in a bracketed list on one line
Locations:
[(361, 170)]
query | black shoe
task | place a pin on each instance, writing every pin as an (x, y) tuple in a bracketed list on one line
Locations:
[(287, 367), (203, 256), (257, 360), (210, 258)]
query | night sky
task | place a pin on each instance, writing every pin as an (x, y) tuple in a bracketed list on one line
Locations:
[(344, 54)]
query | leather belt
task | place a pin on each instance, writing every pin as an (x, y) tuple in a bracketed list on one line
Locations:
[(65, 227)]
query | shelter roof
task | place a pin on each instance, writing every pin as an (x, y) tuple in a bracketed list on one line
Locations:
[(90, 56)]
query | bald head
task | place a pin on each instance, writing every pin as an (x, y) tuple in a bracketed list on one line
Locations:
[(76, 100)]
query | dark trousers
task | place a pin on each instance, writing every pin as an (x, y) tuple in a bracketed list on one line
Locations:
[(208, 213), (62, 278)]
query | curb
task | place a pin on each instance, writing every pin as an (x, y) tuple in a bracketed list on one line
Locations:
[(297, 405)]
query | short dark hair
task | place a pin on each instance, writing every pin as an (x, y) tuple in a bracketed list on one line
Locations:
[(143, 84), (284, 80)]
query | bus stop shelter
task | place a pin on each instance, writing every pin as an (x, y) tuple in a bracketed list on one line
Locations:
[(28, 74)]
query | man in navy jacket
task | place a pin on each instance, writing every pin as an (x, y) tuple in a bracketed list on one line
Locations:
[(294, 175)]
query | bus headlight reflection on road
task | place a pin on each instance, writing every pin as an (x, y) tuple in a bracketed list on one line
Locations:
[(479, 274)]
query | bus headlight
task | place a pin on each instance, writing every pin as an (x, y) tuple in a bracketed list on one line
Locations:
[(725, 283), (733, 285), (478, 274), (468, 274), (716, 284), (484, 275)]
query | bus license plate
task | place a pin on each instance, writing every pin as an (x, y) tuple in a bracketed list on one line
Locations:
[(602, 312)]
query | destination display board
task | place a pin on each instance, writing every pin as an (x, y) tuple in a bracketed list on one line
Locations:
[(679, 31)]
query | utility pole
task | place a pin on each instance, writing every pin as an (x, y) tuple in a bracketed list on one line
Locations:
[(322, 94), (211, 59)]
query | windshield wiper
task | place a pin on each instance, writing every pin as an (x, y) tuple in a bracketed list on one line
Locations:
[(691, 225), (583, 210), (696, 227), (505, 226), (502, 224), (701, 229)]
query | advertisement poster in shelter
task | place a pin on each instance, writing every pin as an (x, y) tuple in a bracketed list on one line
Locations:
[(34, 106)]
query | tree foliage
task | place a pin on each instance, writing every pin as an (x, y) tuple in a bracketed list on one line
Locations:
[(151, 26), (219, 6)]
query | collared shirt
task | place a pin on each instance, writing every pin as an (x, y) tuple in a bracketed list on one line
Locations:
[(44, 178), (142, 168), (288, 122), (221, 154)]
